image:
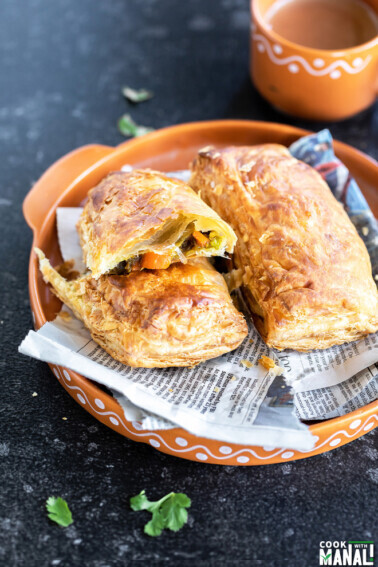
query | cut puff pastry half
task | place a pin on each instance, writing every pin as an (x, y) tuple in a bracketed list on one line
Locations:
[(175, 317), (144, 219), (305, 271)]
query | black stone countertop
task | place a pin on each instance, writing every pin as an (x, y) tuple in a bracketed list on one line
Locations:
[(62, 66)]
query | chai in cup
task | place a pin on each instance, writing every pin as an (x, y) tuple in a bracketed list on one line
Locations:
[(315, 59), (323, 24)]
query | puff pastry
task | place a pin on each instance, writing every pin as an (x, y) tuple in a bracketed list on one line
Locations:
[(155, 318), (306, 273), (144, 219)]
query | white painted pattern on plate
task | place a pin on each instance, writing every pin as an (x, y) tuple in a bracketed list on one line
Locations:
[(204, 451)]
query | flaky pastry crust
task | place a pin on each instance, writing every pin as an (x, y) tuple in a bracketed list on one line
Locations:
[(131, 213), (180, 316), (306, 273)]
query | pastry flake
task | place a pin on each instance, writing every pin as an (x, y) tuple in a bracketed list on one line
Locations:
[(270, 365)]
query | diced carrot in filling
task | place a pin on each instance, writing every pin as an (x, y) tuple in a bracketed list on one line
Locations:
[(200, 238), (153, 261)]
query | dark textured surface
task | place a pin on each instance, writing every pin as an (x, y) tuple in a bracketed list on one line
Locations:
[(62, 66)]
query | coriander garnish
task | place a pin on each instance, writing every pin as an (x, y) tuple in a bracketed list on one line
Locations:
[(136, 95), (167, 513), (128, 127), (58, 511)]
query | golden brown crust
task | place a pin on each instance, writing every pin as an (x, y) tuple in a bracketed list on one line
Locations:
[(306, 273), (128, 214), (175, 317)]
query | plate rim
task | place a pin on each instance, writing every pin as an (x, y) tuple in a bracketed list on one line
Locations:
[(320, 429)]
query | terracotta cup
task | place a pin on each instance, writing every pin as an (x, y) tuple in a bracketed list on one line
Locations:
[(315, 84)]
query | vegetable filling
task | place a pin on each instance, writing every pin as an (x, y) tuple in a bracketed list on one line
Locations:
[(188, 248)]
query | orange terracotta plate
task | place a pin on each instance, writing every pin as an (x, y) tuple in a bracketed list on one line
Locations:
[(67, 182)]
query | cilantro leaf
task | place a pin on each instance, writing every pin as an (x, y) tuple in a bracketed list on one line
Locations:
[(174, 511), (167, 513), (128, 127), (58, 511), (139, 502), (155, 526), (137, 95)]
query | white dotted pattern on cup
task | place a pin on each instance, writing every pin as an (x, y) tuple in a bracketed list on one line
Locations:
[(335, 74), (201, 456), (154, 443), (335, 442), (136, 425), (181, 441), (317, 67), (368, 426), (358, 62), (113, 420), (287, 454), (99, 403), (81, 399)]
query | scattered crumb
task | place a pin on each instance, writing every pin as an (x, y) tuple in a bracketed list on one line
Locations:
[(276, 371), (216, 389), (251, 341), (376, 277), (64, 315), (64, 418), (245, 238), (246, 363), (170, 389), (365, 230), (233, 378), (269, 364), (218, 190), (34, 394)]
